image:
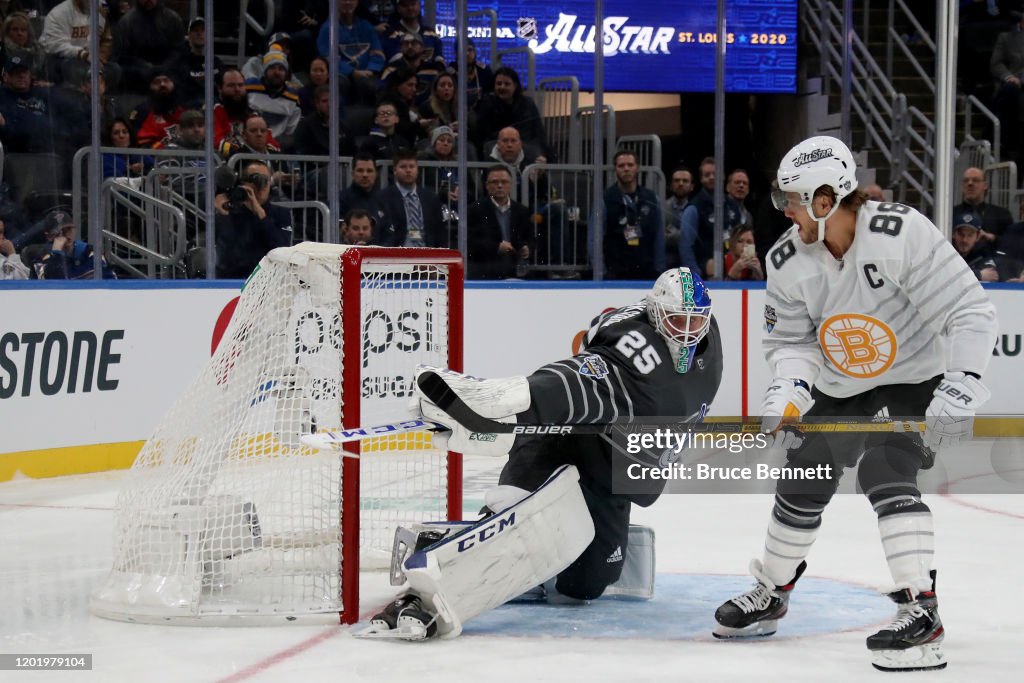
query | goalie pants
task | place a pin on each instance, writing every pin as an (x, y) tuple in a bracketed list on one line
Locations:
[(533, 459), (888, 461)]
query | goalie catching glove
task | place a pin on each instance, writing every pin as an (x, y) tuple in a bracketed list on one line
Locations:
[(498, 399), (949, 418), (785, 398)]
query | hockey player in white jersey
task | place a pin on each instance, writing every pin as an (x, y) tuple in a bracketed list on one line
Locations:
[(869, 312)]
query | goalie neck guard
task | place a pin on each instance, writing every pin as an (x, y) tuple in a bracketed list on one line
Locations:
[(679, 307)]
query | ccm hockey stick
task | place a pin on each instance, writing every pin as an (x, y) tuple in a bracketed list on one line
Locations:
[(338, 438)]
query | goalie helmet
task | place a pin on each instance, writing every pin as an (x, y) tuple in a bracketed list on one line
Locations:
[(679, 307), (817, 161)]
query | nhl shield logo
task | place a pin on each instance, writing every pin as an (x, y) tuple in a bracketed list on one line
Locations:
[(769, 318), (526, 28), (594, 367)]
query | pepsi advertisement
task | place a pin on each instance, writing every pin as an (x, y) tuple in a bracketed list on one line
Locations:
[(666, 46)]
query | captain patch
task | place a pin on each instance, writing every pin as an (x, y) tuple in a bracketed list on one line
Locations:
[(594, 367), (770, 318)]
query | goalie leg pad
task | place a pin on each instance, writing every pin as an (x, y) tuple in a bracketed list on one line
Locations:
[(498, 558), (638, 567)]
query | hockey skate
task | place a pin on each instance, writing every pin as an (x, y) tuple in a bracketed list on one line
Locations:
[(756, 613), (912, 642), (405, 618)]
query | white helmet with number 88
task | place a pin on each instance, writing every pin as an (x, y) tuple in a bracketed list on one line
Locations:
[(817, 161), (679, 307)]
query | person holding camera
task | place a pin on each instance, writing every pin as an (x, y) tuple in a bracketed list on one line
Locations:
[(741, 261), (248, 225)]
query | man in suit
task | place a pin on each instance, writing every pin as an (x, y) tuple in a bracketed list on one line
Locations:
[(412, 212), (500, 230)]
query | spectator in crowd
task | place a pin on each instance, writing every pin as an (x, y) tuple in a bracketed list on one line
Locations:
[(148, 36), (20, 41), (275, 99), (634, 234), (508, 106), (737, 187), (247, 230), (66, 39), (1007, 67), (741, 261), (359, 54), (362, 193), (118, 133), (189, 65), (413, 58), (11, 266), (441, 109), (479, 79), (384, 139), (401, 89), (874, 192), (988, 263), (256, 140), (696, 229), (281, 42), (72, 110), (974, 188), (413, 213), (509, 149), (68, 258), (302, 19), (152, 118), (500, 231), (313, 134), (445, 179), (408, 19), (232, 109), (190, 133), (357, 228), (318, 74), (680, 187), (25, 110)]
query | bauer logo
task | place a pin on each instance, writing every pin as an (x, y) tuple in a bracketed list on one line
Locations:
[(594, 367), (858, 345), (542, 429), (486, 533)]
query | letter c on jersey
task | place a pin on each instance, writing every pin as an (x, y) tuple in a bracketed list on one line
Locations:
[(858, 345)]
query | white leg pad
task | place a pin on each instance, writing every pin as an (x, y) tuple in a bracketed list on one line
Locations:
[(638, 567), (498, 558)]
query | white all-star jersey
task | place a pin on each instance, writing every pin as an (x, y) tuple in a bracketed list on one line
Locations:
[(899, 308)]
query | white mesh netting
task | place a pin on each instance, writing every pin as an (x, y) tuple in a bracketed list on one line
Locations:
[(224, 512)]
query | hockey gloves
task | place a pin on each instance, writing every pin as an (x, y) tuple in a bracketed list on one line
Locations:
[(784, 400), (949, 418)]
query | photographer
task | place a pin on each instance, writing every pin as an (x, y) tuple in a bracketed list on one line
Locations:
[(248, 225)]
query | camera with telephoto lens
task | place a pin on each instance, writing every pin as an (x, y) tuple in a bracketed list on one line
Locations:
[(231, 184)]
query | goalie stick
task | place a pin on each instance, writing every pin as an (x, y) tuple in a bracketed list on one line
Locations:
[(436, 389), (338, 438)]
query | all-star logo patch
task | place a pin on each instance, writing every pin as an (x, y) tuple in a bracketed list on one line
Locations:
[(810, 157), (594, 367), (770, 318)]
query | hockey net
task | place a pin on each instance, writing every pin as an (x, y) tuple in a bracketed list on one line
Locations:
[(224, 512)]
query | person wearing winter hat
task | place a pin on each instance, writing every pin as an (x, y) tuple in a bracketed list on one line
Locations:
[(152, 118), (275, 98)]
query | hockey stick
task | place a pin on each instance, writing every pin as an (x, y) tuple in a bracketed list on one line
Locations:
[(436, 389), (337, 439)]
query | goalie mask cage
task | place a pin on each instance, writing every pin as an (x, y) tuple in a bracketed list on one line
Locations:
[(224, 513)]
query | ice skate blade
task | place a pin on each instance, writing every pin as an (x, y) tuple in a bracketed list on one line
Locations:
[(761, 629), (919, 658)]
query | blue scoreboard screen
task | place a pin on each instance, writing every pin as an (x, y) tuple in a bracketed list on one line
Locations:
[(659, 46)]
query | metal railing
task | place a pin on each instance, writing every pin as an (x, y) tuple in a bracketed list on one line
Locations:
[(647, 148), (558, 99), (147, 247), (523, 61), (970, 103)]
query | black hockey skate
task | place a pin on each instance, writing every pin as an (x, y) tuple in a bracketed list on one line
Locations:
[(405, 618), (756, 613), (912, 642)]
